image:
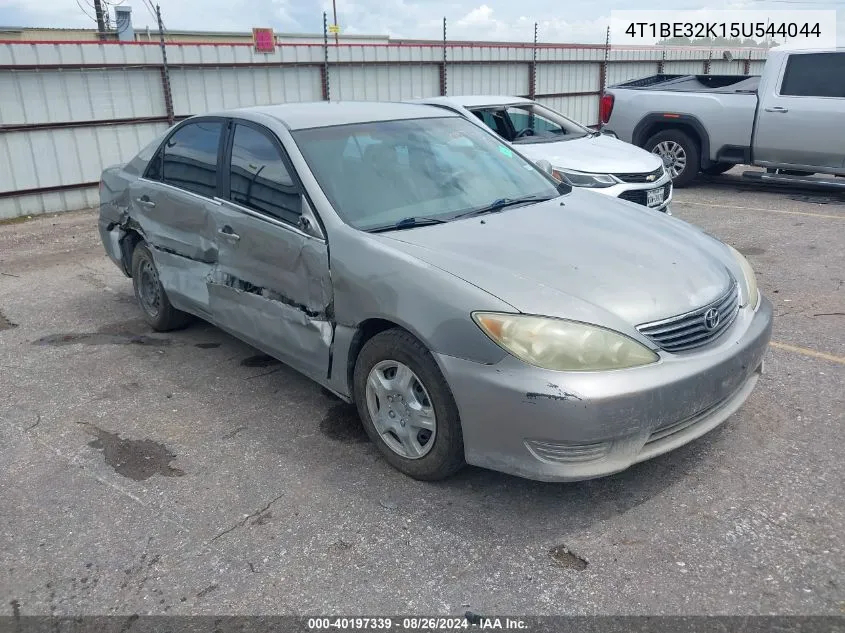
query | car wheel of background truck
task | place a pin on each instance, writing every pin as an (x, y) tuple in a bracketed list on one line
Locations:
[(717, 168), (406, 406), (158, 313), (679, 153)]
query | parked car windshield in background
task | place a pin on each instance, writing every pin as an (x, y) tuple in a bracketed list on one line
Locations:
[(530, 123), (379, 174)]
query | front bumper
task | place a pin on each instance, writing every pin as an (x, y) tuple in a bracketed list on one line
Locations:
[(636, 192), (567, 426)]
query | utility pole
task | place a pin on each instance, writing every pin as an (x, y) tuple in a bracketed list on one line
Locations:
[(101, 22)]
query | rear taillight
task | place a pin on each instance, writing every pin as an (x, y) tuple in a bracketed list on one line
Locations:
[(605, 107)]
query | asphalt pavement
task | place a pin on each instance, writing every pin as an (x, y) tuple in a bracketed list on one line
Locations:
[(186, 473)]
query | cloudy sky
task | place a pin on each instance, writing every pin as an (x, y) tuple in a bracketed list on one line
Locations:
[(560, 20)]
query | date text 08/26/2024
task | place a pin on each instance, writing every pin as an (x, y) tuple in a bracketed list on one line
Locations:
[(421, 623)]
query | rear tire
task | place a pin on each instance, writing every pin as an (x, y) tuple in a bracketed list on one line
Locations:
[(429, 444), (717, 168), (156, 307), (680, 155)]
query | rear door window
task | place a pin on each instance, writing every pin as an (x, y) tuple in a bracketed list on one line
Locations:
[(259, 179), (814, 75), (188, 159)]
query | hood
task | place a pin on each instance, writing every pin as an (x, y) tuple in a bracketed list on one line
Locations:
[(582, 256), (596, 154)]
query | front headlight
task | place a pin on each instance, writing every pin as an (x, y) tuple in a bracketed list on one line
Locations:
[(583, 179), (563, 345), (753, 296)]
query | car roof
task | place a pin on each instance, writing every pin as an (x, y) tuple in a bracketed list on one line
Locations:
[(298, 116), (476, 101)]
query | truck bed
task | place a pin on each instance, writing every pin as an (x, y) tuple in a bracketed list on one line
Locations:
[(695, 83)]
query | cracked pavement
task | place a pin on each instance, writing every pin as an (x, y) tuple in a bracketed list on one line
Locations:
[(185, 473)]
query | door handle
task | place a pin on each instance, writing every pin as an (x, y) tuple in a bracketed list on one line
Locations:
[(776, 109), (144, 201), (227, 233)]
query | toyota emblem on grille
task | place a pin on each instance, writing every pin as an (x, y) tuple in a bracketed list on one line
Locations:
[(711, 318)]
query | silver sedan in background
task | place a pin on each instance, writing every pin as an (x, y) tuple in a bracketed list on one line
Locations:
[(473, 308)]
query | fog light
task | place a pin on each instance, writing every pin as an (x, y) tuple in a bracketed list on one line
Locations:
[(565, 453)]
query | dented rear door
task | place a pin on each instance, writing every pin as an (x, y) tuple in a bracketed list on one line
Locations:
[(172, 206), (271, 283)]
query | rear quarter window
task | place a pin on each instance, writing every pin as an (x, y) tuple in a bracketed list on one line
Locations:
[(138, 164)]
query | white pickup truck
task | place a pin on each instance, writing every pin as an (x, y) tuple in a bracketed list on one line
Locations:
[(789, 120)]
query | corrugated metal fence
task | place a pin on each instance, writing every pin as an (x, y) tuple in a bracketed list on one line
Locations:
[(68, 109)]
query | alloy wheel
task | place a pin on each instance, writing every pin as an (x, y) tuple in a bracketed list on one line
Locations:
[(673, 155)]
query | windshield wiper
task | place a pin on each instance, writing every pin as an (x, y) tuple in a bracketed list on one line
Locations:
[(502, 203), (406, 223)]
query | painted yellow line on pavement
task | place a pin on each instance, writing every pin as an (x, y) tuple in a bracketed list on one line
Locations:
[(731, 206), (808, 352)]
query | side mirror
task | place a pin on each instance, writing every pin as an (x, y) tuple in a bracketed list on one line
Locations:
[(545, 165), (308, 220)]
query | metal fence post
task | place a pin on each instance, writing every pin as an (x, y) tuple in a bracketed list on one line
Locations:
[(661, 65), (603, 70), (165, 73), (707, 63), (532, 79), (443, 77), (325, 69), (746, 67)]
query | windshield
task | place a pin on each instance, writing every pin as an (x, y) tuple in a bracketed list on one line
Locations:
[(530, 123), (379, 174)]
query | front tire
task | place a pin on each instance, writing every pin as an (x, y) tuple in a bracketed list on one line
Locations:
[(680, 155), (407, 408), (158, 312)]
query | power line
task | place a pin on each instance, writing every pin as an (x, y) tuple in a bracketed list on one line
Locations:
[(81, 8), (149, 9)]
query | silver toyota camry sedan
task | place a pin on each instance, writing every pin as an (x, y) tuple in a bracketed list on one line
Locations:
[(472, 307)]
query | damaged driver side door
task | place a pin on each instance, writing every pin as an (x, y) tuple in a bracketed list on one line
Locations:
[(271, 285)]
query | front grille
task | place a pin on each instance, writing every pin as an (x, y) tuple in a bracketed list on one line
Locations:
[(639, 196), (656, 175), (691, 330)]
